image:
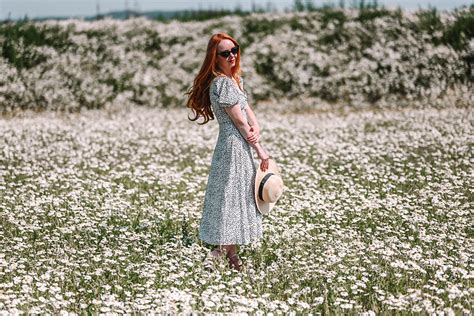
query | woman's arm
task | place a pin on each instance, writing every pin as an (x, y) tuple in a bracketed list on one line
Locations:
[(252, 120), (238, 118)]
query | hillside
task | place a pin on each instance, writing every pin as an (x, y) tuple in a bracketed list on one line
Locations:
[(349, 56)]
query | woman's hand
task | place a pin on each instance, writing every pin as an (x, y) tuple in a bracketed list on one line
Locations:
[(264, 163), (254, 135)]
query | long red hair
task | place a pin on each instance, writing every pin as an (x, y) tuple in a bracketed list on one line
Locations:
[(198, 100)]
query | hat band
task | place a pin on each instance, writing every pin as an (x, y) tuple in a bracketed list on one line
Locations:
[(260, 187)]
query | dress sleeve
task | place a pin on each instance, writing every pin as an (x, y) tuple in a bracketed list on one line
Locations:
[(226, 92)]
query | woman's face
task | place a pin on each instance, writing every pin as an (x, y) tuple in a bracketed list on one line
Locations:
[(226, 64)]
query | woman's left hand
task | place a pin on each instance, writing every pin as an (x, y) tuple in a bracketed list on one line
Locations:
[(254, 135)]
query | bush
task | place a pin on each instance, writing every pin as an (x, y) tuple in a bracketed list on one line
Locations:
[(461, 31), (329, 15), (19, 37), (368, 14), (329, 53)]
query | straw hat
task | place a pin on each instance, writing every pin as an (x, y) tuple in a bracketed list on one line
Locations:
[(268, 187)]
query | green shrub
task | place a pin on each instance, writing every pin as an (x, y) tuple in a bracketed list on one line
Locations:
[(261, 26), (30, 35), (461, 31), (266, 68), (202, 15), (329, 14), (367, 15), (258, 28), (35, 35), (429, 21)]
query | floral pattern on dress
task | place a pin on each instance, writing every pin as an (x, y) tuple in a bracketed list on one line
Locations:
[(230, 215)]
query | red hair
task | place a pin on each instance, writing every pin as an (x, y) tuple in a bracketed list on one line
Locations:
[(198, 100)]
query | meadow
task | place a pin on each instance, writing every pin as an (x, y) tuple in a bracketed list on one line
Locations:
[(102, 176), (100, 212)]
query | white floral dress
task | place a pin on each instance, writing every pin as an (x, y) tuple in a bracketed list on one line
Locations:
[(229, 214)]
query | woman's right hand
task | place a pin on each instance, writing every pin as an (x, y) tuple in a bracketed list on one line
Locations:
[(264, 162)]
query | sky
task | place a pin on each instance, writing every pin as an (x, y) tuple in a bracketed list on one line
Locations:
[(41, 8)]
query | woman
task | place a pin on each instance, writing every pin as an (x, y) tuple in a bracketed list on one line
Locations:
[(230, 216)]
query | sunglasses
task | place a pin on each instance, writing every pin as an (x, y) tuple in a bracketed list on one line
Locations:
[(226, 53)]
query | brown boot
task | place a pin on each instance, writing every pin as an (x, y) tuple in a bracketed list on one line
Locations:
[(235, 262)]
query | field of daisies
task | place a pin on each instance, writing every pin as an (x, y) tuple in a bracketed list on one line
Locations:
[(102, 193), (100, 213)]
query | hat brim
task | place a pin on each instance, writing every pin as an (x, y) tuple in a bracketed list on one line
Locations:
[(262, 206)]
